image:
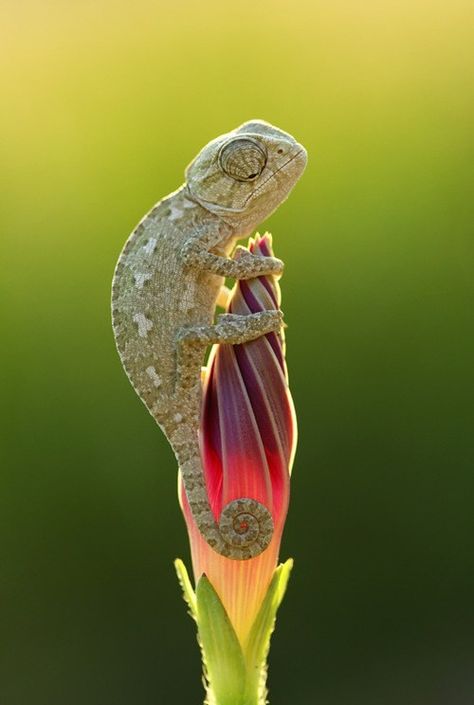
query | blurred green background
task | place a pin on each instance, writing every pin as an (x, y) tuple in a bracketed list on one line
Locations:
[(103, 105)]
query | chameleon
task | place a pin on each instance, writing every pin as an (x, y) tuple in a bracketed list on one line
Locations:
[(168, 280)]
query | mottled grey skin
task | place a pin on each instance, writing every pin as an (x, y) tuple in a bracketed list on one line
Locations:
[(167, 282)]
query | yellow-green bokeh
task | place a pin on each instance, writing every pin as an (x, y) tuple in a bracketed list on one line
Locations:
[(103, 105)]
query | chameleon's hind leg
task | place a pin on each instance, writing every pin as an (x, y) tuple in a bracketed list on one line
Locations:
[(230, 328), (233, 328)]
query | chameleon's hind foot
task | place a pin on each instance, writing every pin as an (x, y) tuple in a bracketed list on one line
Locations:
[(237, 329), (232, 328)]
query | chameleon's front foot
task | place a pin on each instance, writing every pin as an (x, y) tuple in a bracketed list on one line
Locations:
[(244, 265), (257, 265)]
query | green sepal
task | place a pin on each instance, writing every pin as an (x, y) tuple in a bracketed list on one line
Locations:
[(224, 661), (188, 592), (235, 676), (258, 642)]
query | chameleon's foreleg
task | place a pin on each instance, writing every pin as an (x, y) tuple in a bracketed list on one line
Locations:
[(245, 266), (245, 526)]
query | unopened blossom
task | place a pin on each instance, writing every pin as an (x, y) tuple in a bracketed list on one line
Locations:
[(248, 437)]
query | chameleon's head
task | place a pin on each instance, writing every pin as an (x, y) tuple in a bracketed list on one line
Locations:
[(244, 175)]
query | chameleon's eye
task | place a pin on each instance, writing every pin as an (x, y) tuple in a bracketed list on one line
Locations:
[(243, 159)]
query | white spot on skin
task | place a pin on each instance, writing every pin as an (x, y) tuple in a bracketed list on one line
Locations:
[(141, 278), (143, 323), (176, 213), (178, 418), (177, 210), (150, 246), (151, 372)]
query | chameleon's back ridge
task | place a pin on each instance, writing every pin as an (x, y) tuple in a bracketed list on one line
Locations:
[(167, 283)]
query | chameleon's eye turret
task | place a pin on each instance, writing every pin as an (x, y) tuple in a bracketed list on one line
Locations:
[(243, 159), (243, 175)]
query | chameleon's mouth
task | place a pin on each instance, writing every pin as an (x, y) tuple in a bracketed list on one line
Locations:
[(301, 153)]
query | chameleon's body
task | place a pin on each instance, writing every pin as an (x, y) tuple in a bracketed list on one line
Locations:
[(167, 282)]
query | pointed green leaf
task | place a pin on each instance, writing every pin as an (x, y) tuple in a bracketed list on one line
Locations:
[(223, 658), (188, 592), (258, 641)]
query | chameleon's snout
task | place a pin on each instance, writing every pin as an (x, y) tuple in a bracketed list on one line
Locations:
[(300, 157)]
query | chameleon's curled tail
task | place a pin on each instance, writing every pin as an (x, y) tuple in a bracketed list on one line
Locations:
[(245, 526)]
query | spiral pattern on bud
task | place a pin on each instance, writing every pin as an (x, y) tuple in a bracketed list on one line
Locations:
[(246, 526)]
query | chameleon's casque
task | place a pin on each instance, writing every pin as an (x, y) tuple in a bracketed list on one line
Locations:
[(168, 280)]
